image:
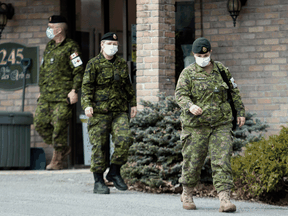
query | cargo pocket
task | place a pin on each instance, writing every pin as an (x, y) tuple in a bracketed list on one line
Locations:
[(184, 137), (92, 122)]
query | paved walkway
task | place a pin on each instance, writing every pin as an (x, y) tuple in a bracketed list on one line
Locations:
[(69, 192)]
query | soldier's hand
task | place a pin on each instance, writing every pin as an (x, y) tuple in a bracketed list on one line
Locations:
[(195, 110), (240, 121), (73, 96), (133, 111), (89, 112)]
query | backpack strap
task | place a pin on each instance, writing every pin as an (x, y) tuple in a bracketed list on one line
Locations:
[(224, 76), (229, 95)]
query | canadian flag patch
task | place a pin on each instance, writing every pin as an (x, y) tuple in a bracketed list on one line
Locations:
[(77, 61), (74, 55)]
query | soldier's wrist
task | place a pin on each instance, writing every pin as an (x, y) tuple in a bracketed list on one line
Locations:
[(190, 105)]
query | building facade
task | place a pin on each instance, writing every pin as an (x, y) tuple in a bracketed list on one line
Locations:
[(255, 51), (161, 33)]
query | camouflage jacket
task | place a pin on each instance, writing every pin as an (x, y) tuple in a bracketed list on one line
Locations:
[(61, 70), (209, 92), (106, 86)]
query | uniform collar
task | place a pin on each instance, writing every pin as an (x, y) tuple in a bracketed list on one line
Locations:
[(54, 43), (103, 59), (215, 68)]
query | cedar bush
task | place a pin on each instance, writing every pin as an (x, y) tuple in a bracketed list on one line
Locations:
[(263, 166), (155, 157), (248, 133)]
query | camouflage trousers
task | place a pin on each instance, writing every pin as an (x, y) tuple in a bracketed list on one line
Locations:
[(99, 128), (51, 122), (197, 143)]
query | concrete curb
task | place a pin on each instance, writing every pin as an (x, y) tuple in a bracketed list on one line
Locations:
[(44, 172)]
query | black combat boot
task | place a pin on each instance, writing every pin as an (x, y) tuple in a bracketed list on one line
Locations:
[(99, 186), (115, 177)]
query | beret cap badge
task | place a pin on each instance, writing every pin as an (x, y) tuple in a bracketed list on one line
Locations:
[(110, 36), (201, 46)]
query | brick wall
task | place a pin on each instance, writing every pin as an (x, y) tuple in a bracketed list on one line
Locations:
[(155, 48), (255, 52), (28, 27)]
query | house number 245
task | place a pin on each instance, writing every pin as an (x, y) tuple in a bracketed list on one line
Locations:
[(14, 57)]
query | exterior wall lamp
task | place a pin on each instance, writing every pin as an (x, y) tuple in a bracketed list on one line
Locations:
[(6, 12), (234, 8)]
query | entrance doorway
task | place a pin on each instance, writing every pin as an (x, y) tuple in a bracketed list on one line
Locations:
[(90, 20), (184, 34)]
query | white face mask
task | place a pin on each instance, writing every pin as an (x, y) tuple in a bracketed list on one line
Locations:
[(49, 33), (202, 62), (110, 50)]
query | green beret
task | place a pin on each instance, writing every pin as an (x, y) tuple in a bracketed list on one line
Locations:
[(201, 46), (57, 19), (110, 36)]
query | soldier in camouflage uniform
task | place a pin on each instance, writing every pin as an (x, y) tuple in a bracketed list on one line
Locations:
[(60, 77), (106, 94), (207, 124)]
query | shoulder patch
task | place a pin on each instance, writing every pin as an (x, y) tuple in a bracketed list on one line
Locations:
[(233, 82), (73, 55), (77, 61)]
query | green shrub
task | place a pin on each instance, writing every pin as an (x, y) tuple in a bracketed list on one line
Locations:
[(248, 132), (263, 166), (155, 156)]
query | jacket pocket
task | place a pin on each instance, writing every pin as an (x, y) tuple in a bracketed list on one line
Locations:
[(101, 95), (123, 73), (226, 108), (101, 99), (226, 111), (199, 88), (224, 90), (106, 73), (193, 120)]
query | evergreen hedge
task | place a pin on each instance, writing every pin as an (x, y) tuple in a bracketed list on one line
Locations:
[(155, 157), (263, 167)]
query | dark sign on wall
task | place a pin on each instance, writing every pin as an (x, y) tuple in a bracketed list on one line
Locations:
[(11, 68)]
